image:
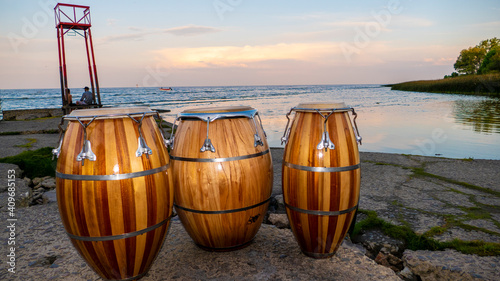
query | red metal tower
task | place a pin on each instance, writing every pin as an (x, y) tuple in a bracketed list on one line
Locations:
[(75, 18)]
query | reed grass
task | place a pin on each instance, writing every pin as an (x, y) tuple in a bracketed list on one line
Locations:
[(486, 84)]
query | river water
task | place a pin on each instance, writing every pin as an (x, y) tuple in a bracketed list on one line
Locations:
[(447, 125)]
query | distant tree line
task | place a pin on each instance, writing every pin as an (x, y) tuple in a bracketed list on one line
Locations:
[(484, 58)]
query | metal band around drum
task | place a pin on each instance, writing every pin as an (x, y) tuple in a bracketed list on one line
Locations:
[(236, 158), (323, 169), (112, 177), (321, 213), (117, 237), (223, 211)]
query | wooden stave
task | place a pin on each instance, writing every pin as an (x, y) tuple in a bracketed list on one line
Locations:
[(305, 133), (157, 190), (236, 133)]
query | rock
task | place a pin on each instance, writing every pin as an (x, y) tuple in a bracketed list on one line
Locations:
[(376, 241), (465, 235), (49, 183), (451, 265), (280, 203), (50, 196), (279, 220), (395, 262), (36, 181), (38, 197), (31, 114), (407, 275), (390, 249), (390, 261), (23, 193), (28, 181), (4, 173), (381, 259)]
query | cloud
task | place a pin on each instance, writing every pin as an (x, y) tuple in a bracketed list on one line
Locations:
[(440, 61), (191, 30), (409, 22), (315, 16), (136, 29), (123, 37), (140, 33), (385, 22), (244, 56), (111, 22), (314, 54), (490, 24)]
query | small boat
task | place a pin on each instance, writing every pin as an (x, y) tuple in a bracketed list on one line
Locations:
[(166, 89)]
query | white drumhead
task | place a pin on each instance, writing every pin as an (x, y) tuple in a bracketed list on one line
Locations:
[(110, 112)]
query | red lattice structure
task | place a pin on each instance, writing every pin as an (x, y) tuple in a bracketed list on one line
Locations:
[(75, 18)]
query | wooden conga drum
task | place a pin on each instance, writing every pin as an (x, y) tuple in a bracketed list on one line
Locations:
[(321, 175), (114, 189), (223, 175)]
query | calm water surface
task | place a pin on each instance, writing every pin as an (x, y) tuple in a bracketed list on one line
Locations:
[(455, 126)]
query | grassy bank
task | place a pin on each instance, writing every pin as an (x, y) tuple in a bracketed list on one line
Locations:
[(488, 85), (424, 241), (35, 163)]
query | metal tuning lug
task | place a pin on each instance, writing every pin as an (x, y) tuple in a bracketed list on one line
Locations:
[(57, 151), (359, 139), (257, 140), (169, 142), (143, 148), (356, 131), (256, 137), (286, 133), (325, 142), (207, 145), (86, 153), (166, 142)]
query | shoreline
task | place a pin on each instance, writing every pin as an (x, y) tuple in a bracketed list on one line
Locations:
[(480, 85)]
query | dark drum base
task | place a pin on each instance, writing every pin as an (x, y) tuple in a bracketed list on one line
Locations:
[(318, 255), (227, 249)]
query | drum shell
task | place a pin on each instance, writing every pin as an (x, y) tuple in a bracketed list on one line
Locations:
[(207, 194), (319, 234), (104, 208)]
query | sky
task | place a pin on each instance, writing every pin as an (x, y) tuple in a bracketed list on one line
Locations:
[(244, 42)]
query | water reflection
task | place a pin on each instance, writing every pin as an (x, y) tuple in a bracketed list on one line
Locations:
[(481, 116)]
